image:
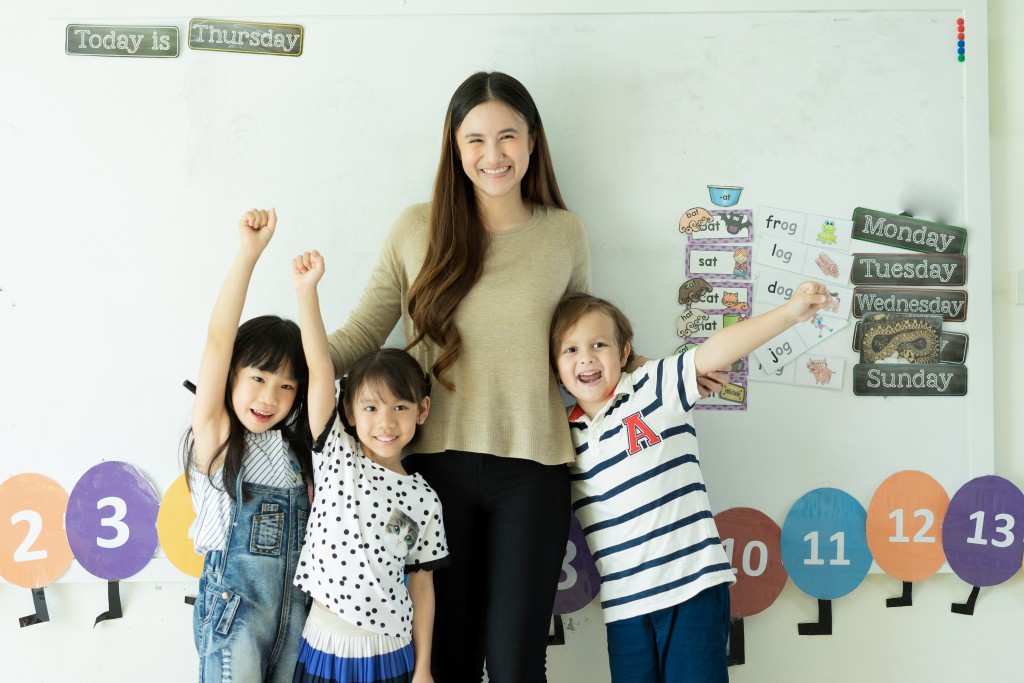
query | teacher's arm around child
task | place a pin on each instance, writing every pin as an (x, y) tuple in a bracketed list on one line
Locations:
[(372, 522), (665, 576)]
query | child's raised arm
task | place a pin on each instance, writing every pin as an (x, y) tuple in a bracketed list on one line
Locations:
[(210, 421), (729, 344), (307, 269)]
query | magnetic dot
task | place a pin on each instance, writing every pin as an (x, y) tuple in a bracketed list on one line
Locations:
[(960, 20), (960, 50), (960, 43), (960, 58)]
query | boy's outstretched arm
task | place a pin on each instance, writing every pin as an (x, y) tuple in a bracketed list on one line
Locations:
[(210, 422), (729, 344), (307, 269)]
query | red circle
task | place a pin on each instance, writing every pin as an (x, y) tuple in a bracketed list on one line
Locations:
[(744, 530), (959, 36)]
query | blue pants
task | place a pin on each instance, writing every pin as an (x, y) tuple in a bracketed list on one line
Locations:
[(248, 616), (681, 644)]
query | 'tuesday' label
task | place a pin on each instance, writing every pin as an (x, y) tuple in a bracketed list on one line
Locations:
[(909, 269)]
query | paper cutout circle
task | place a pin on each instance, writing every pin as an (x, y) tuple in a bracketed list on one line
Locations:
[(753, 542), (983, 529), (579, 581), (111, 520), (34, 550), (172, 523), (904, 525), (824, 543)]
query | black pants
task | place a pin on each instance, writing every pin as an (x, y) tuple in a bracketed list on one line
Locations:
[(507, 524)]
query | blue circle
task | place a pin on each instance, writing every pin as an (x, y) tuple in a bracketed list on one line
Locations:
[(960, 43), (960, 50), (825, 545)]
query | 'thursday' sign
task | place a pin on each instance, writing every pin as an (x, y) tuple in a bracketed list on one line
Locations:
[(249, 37)]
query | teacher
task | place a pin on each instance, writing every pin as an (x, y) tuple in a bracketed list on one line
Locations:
[(474, 277)]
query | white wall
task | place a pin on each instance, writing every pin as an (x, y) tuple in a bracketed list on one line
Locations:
[(921, 643)]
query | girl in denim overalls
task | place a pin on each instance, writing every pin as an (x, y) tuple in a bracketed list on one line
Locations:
[(245, 455)]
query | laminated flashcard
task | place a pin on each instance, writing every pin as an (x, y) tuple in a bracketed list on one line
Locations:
[(952, 345), (951, 304), (817, 263), (723, 262), (818, 329), (121, 41), (693, 322), (718, 225), (811, 229), (794, 342), (808, 370), (906, 232), (900, 338), (774, 289), (909, 379), (716, 296), (915, 270), (733, 395)]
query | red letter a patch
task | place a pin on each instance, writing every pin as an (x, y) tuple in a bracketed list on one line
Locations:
[(640, 435)]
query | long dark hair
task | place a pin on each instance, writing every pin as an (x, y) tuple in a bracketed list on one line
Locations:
[(266, 343), (458, 241)]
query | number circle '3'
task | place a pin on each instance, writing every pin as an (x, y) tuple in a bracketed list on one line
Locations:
[(578, 581), (824, 543), (904, 525), (752, 542), (982, 531), (111, 520), (34, 550)]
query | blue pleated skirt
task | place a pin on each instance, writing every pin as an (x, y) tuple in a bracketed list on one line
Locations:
[(334, 651)]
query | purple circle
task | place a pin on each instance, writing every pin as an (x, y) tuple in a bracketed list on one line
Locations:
[(982, 531), (579, 581), (111, 520)]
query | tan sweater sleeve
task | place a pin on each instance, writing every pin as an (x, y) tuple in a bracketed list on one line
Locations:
[(580, 249), (380, 306)]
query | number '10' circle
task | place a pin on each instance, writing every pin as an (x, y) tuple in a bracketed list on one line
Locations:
[(982, 531), (824, 543), (752, 542)]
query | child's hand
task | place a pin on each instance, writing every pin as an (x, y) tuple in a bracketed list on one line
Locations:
[(307, 269), (419, 676), (711, 383), (255, 228), (807, 299)]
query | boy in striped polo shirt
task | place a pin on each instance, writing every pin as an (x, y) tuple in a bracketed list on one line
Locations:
[(637, 488)]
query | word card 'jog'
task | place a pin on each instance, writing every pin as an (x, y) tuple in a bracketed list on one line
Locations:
[(794, 342)]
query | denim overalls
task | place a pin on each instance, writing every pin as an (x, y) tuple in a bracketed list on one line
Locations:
[(248, 616)]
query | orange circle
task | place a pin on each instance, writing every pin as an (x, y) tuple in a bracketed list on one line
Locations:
[(172, 523), (34, 550), (904, 525)]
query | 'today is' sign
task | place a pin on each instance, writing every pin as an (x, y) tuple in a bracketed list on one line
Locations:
[(122, 41)]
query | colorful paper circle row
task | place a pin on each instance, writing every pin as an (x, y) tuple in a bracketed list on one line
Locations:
[(113, 521), (828, 540)]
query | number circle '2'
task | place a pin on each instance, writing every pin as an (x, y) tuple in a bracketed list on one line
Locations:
[(904, 525), (579, 581), (752, 542), (824, 543), (982, 531), (111, 520), (34, 550)]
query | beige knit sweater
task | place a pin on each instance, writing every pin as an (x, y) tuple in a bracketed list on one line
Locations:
[(506, 400)]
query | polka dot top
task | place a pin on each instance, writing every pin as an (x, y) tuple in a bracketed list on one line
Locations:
[(367, 528)]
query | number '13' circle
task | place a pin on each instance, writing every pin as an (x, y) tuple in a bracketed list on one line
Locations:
[(982, 531)]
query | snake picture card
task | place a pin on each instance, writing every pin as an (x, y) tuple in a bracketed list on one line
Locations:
[(952, 345), (900, 338)]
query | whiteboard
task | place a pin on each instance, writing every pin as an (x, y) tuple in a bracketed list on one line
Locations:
[(131, 174)]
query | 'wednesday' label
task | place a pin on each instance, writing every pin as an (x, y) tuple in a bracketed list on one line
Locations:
[(951, 304)]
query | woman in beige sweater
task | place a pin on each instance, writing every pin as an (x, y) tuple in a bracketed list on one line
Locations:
[(474, 277)]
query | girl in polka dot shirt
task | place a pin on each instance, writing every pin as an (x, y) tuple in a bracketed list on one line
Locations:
[(375, 532)]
